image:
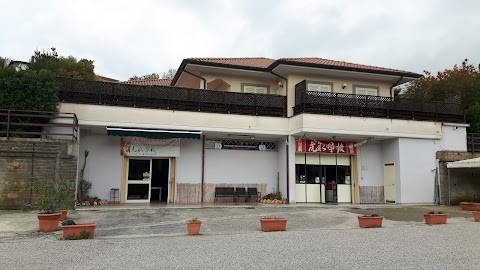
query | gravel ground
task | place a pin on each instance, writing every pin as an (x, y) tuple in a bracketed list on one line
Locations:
[(448, 246), (126, 223)]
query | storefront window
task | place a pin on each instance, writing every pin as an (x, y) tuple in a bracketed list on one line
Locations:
[(300, 174), (343, 175), (313, 174), (137, 167)]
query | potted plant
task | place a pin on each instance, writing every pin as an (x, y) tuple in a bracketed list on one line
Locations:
[(146, 176), (476, 215), (435, 218), (66, 198), (370, 221), (193, 226), (75, 231), (271, 224), (469, 206)]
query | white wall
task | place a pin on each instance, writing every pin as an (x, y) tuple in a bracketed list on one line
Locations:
[(104, 162), (189, 163), (454, 138), (417, 161), (241, 167), (370, 164), (391, 154)]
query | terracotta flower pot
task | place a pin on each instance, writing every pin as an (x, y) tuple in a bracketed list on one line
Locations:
[(370, 222), (193, 227), (468, 206), (77, 229), (432, 219), (273, 224), (48, 222), (63, 214), (476, 215)]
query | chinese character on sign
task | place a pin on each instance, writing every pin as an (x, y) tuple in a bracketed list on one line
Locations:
[(312, 148), (340, 148), (331, 147)]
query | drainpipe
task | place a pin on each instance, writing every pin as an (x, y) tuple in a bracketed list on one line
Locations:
[(448, 173), (203, 167), (195, 75), (288, 138), (286, 88), (395, 84)]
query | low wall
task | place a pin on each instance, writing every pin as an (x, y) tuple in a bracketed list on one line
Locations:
[(26, 160)]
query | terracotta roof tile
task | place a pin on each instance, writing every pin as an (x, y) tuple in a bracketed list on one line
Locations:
[(333, 63), (164, 82), (257, 62)]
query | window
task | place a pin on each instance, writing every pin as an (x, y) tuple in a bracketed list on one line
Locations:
[(319, 86), (365, 90), (255, 88)]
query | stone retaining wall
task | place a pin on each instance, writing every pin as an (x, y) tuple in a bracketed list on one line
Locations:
[(50, 159)]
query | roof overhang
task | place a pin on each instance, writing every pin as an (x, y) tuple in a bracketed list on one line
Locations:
[(278, 64), (468, 163), (284, 69), (153, 133)]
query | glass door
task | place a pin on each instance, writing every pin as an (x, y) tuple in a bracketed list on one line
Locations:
[(139, 173)]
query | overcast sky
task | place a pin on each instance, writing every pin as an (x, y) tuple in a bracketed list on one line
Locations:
[(136, 37)]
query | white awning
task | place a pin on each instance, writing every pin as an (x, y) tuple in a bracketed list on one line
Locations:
[(468, 163)]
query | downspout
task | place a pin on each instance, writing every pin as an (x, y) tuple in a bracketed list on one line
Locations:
[(203, 167), (195, 75), (287, 152), (448, 173), (395, 84)]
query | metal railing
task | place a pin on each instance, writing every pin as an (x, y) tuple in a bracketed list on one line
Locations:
[(170, 98), (35, 124), (473, 142), (374, 106)]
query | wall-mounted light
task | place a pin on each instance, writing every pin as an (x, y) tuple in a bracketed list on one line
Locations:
[(280, 84), (344, 85)]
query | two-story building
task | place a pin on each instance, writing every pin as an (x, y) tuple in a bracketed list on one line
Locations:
[(323, 131)]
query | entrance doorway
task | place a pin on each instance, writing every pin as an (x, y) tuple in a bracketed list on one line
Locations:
[(147, 180), (160, 176), (322, 178), (389, 182)]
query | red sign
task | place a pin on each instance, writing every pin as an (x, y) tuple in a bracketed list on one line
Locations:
[(328, 147)]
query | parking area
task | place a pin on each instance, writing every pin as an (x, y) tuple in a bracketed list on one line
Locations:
[(150, 221)]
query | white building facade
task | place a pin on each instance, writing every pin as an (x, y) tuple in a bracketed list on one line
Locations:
[(316, 131)]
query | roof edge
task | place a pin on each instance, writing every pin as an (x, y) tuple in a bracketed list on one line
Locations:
[(278, 62)]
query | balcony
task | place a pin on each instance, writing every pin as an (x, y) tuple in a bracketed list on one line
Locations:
[(170, 98), (374, 106)]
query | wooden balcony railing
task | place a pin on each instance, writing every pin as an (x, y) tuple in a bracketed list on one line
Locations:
[(374, 106), (170, 98), (37, 124)]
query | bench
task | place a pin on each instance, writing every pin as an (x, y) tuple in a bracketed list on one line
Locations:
[(253, 193), (224, 192)]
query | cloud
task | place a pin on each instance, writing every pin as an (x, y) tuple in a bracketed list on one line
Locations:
[(126, 38)]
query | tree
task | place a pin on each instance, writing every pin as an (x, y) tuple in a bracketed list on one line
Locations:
[(62, 66), (169, 74), (2, 62), (459, 84), (28, 90), (152, 76)]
